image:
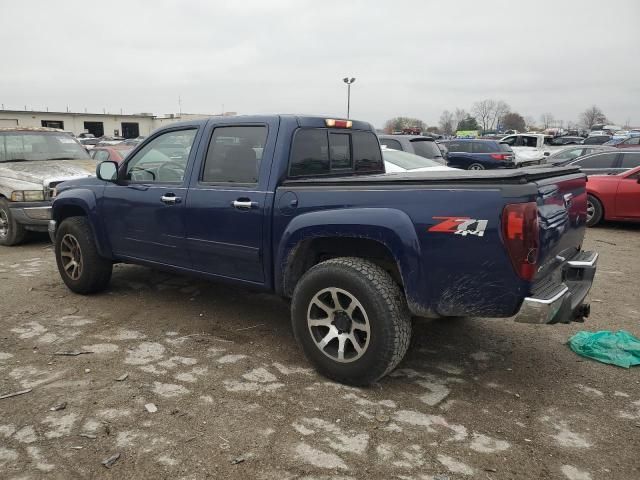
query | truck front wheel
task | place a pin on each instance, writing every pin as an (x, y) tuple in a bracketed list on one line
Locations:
[(351, 320), (82, 269), (11, 232)]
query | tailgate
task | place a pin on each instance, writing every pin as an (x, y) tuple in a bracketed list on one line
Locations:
[(562, 217)]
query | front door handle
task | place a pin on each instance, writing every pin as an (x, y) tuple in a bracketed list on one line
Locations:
[(244, 204), (170, 199)]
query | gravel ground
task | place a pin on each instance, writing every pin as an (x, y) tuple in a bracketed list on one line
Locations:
[(235, 398)]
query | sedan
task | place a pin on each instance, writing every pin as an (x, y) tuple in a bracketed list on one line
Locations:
[(596, 140), (609, 162), (614, 197), (625, 142), (570, 153), (396, 161), (566, 140)]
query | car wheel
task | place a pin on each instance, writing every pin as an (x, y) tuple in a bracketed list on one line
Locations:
[(11, 232), (82, 269), (351, 320), (475, 166), (594, 211)]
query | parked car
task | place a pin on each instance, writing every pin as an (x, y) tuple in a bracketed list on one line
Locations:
[(89, 142), (596, 140), (297, 205), (397, 161), (115, 153), (529, 148), (469, 154), (614, 197), (566, 140), (570, 153), (625, 142), (417, 144), (33, 162), (605, 162), (107, 140)]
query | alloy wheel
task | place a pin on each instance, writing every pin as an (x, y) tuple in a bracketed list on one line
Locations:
[(338, 325), (71, 255), (4, 224), (591, 210)]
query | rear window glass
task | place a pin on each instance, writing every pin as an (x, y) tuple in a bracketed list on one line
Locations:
[(391, 143), (340, 150), (483, 147), (630, 160), (426, 148), (604, 160), (321, 152), (464, 147)]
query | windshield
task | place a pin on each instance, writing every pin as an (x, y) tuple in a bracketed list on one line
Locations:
[(408, 161), (34, 146)]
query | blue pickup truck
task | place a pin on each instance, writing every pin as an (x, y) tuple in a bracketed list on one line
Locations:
[(300, 206)]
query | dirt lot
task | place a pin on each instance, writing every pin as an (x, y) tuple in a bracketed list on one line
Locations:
[(474, 398)]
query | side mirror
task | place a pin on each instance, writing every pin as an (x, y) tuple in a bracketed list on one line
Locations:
[(107, 171)]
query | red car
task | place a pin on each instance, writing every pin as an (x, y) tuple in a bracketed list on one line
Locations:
[(631, 142), (614, 197), (114, 153)]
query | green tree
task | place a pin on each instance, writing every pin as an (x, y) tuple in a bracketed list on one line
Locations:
[(513, 121), (468, 123)]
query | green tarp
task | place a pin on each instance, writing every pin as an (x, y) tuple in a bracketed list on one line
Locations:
[(618, 348)]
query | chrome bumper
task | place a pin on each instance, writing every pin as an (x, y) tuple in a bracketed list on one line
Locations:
[(562, 302), (52, 230)]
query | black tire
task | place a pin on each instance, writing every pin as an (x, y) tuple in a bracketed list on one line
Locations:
[(386, 314), (475, 166), (11, 232), (95, 271), (595, 206)]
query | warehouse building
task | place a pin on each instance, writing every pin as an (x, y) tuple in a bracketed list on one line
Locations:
[(98, 124)]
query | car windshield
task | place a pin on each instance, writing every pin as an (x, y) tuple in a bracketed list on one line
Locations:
[(33, 146), (408, 161)]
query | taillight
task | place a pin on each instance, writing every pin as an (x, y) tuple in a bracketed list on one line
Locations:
[(499, 156), (521, 237)]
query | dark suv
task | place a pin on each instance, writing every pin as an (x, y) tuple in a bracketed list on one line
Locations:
[(417, 144), (470, 154)]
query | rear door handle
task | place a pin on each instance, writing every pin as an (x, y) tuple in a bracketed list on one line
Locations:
[(243, 204), (170, 199)]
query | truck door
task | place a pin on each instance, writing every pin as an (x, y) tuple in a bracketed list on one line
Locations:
[(143, 213), (228, 200)]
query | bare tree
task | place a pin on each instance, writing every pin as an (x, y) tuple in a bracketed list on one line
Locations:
[(500, 109), (401, 123), (513, 121), (446, 122), (547, 120), (483, 111), (592, 116), (458, 116), (530, 122)]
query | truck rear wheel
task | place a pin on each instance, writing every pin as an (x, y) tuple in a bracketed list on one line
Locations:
[(11, 232), (82, 269), (351, 320)]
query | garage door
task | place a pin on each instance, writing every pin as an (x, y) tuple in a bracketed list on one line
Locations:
[(8, 122)]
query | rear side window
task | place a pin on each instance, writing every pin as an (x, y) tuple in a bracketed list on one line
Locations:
[(604, 160), (322, 152), (483, 147), (366, 153), (464, 147), (426, 148), (391, 143), (504, 147), (234, 154), (630, 160), (632, 141)]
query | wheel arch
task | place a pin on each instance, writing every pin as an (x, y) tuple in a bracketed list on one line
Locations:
[(602, 204), (387, 237)]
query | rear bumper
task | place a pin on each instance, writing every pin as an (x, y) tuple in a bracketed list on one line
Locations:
[(562, 302)]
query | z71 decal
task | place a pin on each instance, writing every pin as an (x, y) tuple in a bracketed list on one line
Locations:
[(460, 226)]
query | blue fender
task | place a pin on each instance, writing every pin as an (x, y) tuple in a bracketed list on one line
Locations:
[(86, 200), (392, 228)]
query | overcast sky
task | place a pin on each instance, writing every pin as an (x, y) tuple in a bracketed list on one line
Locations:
[(251, 56)]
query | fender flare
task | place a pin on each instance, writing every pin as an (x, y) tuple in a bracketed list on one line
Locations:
[(390, 227), (84, 199)]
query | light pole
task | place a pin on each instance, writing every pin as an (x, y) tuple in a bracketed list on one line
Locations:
[(348, 81)]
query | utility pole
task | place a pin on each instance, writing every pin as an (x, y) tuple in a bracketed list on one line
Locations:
[(348, 81)]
